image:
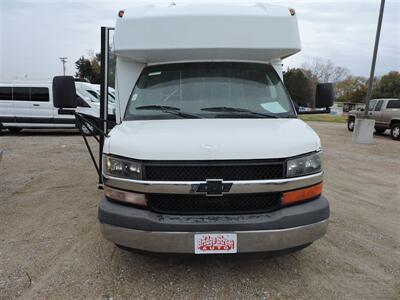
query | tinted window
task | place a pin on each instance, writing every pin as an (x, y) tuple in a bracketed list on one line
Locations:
[(378, 105), (5, 93), (393, 104), (21, 93), (39, 94), (94, 94), (80, 102)]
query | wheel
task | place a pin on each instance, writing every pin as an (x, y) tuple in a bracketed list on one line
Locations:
[(395, 131), (380, 130), (15, 129), (350, 124), (88, 129)]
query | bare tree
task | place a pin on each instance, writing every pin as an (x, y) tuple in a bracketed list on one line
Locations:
[(325, 70)]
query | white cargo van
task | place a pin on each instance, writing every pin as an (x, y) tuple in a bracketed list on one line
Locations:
[(209, 155), (30, 105), (93, 92)]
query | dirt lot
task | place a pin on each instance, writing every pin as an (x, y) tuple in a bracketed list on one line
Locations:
[(51, 247)]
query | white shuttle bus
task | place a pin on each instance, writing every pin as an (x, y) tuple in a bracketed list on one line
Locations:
[(209, 155)]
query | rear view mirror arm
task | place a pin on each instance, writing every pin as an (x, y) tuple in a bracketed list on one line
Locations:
[(82, 118), (79, 119)]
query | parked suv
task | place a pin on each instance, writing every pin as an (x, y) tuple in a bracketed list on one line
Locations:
[(385, 112)]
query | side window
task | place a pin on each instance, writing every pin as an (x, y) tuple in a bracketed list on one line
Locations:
[(371, 105), (391, 104), (378, 105), (81, 102), (40, 94), (93, 93), (21, 93), (5, 93)]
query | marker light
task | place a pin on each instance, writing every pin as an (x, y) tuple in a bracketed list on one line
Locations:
[(125, 197), (121, 13), (302, 194), (292, 11)]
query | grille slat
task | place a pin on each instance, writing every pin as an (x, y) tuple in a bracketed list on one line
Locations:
[(209, 170), (226, 204)]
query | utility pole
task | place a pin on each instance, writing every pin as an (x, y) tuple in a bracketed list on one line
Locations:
[(364, 127), (63, 61), (371, 76)]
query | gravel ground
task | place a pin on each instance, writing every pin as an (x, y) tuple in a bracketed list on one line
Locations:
[(51, 247)]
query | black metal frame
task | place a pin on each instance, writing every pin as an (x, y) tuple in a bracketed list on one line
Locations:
[(100, 128), (81, 119)]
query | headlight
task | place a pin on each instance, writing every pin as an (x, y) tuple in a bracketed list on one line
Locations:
[(123, 168), (304, 165)]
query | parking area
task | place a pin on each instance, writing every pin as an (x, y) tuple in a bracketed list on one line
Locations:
[(51, 247)]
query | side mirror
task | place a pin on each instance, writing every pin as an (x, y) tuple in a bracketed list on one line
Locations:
[(324, 95), (64, 93)]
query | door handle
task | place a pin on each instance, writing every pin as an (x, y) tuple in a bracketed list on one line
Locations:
[(36, 104)]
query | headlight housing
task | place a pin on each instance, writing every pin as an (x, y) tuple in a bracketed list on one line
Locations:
[(304, 165), (120, 167)]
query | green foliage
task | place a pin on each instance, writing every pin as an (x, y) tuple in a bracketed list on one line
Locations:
[(300, 86), (352, 89), (89, 69), (388, 86)]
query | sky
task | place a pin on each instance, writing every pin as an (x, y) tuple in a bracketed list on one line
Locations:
[(34, 34)]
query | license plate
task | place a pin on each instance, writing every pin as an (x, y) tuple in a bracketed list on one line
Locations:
[(215, 243)]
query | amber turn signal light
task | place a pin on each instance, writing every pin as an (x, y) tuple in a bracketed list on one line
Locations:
[(302, 194), (125, 197)]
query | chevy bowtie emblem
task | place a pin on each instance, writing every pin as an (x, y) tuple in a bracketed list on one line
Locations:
[(214, 187)]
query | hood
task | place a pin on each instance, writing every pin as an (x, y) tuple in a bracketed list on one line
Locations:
[(211, 139)]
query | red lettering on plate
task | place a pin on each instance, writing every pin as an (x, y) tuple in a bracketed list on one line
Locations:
[(210, 243)]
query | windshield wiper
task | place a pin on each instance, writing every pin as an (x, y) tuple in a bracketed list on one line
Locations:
[(169, 109), (238, 110)]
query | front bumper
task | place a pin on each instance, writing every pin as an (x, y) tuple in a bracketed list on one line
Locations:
[(282, 229)]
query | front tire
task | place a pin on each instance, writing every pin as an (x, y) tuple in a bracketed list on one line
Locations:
[(395, 131), (88, 129), (350, 124)]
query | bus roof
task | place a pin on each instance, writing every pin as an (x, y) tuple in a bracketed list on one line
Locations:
[(187, 32)]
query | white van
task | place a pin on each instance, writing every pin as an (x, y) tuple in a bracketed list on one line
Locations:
[(93, 92), (209, 155), (30, 105)]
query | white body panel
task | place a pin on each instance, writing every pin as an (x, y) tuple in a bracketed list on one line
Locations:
[(258, 32), (126, 76), (212, 139)]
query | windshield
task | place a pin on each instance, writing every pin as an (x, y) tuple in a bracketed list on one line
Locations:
[(209, 90)]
